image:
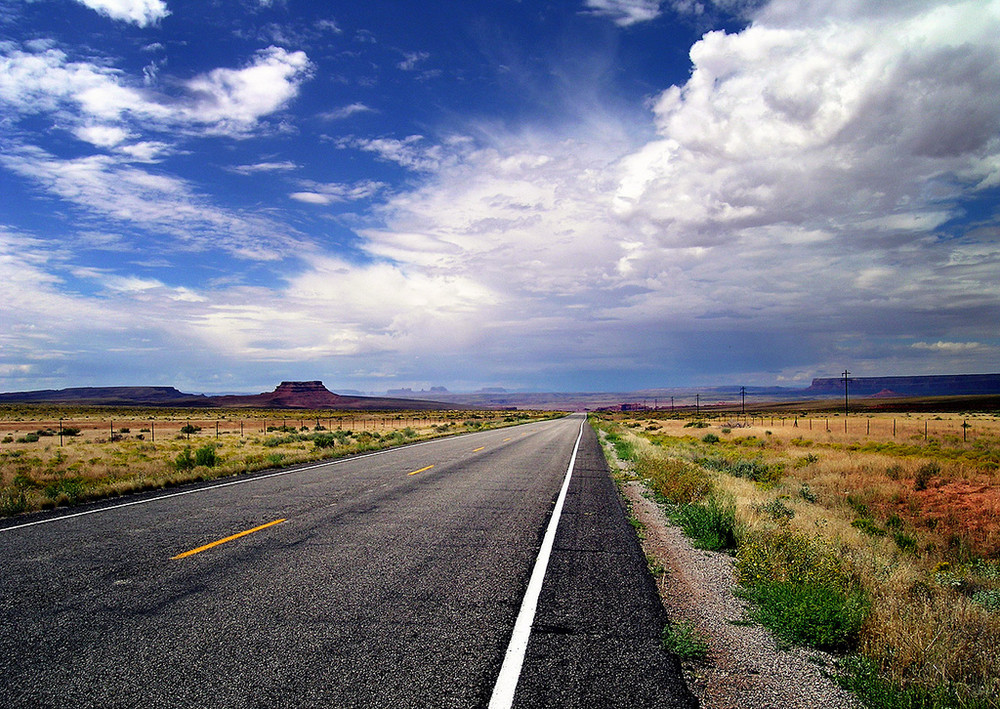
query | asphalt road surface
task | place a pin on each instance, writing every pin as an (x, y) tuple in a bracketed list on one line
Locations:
[(389, 580)]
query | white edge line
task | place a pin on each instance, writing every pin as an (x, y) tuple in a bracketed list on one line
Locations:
[(241, 481), (510, 671)]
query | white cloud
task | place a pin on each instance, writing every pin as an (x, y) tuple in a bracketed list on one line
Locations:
[(164, 205), (346, 112), (252, 169), (948, 347), (227, 101), (412, 59), (625, 12), (327, 193), (138, 12)]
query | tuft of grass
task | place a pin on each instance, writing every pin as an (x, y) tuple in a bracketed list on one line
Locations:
[(710, 524), (685, 641)]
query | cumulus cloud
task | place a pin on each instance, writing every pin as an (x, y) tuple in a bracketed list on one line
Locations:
[(88, 94), (138, 12), (789, 209)]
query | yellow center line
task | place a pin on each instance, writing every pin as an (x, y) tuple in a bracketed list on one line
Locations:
[(227, 539), (505, 440), (421, 470), (476, 450)]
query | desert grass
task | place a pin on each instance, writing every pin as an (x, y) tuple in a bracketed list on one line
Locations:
[(117, 452), (908, 506)]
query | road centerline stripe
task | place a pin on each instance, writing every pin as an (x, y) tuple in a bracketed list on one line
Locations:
[(510, 671), (421, 470), (230, 538), (476, 450)]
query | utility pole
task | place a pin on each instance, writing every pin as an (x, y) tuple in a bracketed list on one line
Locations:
[(846, 376), (697, 404), (743, 401)]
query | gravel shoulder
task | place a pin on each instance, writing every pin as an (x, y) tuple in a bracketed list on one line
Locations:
[(745, 667)]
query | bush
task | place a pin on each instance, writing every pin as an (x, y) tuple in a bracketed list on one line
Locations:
[(206, 456), (748, 468), (12, 502), (808, 614), (711, 525), (324, 440), (190, 428), (924, 474), (184, 461), (710, 438), (696, 424)]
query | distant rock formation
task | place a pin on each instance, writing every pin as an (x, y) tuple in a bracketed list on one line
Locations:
[(935, 385), (288, 395)]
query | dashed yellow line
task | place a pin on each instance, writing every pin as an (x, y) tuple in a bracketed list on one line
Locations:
[(227, 539), (476, 450), (505, 440), (421, 470)]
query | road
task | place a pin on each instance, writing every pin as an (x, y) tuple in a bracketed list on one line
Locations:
[(389, 580)]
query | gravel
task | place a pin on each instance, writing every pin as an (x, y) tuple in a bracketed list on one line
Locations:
[(745, 667)]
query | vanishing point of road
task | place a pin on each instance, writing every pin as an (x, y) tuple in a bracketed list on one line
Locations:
[(405, 578)]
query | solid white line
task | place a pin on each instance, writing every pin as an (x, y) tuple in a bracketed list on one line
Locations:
[(510, 671)]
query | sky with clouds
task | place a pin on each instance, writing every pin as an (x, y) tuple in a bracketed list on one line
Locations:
[(569, 195)]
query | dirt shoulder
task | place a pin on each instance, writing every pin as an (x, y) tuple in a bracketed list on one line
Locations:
[(745, 668)]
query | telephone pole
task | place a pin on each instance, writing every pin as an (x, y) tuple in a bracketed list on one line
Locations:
[(846, 376), (743, 401)]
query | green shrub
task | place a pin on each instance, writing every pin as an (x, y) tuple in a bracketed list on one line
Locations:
[(808, 614), (710, 438), (749, 468), (190, 428), (207, 456), (696, 424), (12, 502), (777, 510), (798, 588), (324, 440), (711, 524), (868, 526), (184, 461)]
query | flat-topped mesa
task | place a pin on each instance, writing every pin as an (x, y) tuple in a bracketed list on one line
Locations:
[(306, 395), (930, 385)]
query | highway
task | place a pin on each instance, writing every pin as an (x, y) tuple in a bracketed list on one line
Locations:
[(387, 580)]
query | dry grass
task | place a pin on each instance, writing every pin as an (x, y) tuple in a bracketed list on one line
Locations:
[(121, 451), (915, 517)]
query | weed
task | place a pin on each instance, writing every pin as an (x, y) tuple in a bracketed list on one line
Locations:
[(12, 502), (677, 481), (806, 493), (710, 438), (868, 526), (777, 510), (924, 474), (711, 524), (813, 615), (685, 641), (696, 424)]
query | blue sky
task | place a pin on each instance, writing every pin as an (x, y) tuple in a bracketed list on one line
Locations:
[(569, 195)]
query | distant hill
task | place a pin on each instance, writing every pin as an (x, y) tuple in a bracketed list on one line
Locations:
[(288, 395), (935, 385)]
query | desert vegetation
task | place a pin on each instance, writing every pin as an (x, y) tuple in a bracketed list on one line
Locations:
[(64, 456), (876, 538)]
